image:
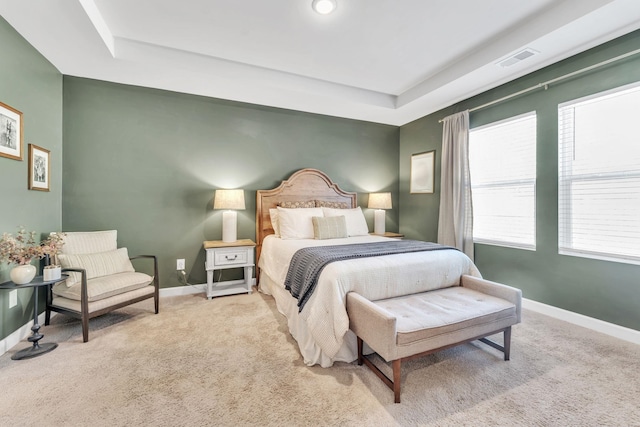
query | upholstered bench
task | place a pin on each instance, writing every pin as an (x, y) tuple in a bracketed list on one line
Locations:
[(415, 325)]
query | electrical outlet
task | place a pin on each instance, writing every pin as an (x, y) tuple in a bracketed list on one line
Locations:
[(13, 298), (180, 264)]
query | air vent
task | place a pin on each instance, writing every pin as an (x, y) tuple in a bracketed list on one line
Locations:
[(520, 56)]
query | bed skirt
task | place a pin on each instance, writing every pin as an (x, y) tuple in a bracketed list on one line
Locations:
[(311, 352)]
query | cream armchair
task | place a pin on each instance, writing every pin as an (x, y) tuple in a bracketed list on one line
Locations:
[(101, 278)]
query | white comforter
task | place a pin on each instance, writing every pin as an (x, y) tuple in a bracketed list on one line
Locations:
[(325, 314)]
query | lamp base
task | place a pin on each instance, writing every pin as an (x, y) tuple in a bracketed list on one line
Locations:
[(379, 217), (229, 226)]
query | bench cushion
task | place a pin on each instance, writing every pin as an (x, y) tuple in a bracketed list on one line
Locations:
[(429, 314)]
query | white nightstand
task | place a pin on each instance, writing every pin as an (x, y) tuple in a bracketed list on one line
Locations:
[(222, 255)]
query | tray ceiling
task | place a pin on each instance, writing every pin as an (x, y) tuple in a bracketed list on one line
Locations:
[(384, 61)]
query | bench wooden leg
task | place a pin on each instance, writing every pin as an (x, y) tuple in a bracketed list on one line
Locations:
[(505, 347), (396, 380), (507, 343), (396, 364)]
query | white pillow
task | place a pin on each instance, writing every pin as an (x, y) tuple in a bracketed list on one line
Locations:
[(297, 223), (275, 223), (356, 224), (97, 265)]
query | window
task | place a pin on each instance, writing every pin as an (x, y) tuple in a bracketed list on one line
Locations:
[(502, 160), (599, 176)]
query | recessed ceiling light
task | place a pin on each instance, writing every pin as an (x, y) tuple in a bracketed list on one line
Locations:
[(324, 7)]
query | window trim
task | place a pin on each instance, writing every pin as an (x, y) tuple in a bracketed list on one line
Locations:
[(565, 237), (503, 184)]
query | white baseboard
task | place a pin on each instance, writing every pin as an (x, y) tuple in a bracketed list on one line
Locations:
[(183, 290), (597, 325), (188, 290)]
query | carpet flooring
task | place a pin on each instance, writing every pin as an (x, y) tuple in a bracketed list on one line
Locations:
[(230, 361)]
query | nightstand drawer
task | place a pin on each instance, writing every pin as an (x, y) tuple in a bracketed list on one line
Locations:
[(230, 257)]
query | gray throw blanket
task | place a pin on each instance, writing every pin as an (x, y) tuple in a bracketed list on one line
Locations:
[(307, 263)]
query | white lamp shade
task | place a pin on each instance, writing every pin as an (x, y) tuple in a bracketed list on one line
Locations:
[(229, 199), (379, 201)]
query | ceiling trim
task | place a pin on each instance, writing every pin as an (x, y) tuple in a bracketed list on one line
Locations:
[(99, 24)]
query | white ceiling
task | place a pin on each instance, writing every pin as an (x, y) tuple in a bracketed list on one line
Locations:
[(386, 61)]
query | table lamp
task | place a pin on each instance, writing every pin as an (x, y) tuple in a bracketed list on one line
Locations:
[(379, 202), (231, 200)]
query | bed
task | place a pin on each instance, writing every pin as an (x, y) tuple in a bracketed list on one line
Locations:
[(321, 327)]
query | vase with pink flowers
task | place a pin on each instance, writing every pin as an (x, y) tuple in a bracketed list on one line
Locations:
[(22, 248)]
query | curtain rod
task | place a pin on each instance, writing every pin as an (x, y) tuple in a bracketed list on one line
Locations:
[(548, 82)]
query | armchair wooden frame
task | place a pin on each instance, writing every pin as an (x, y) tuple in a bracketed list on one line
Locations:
[(84, 313)]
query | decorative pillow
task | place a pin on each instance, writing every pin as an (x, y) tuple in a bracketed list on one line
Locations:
[(273, 213), (97, 264), (334, 227), (334, 205), (296, 223), (298, 204), (356, 224)]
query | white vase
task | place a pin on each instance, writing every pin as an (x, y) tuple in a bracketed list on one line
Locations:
[(23, 274)]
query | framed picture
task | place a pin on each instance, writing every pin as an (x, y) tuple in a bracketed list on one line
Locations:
[(422, 172), (38, 168), (10, 132)]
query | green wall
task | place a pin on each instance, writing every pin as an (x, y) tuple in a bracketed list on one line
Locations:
[(600, 289), (146, 162), (30, 84)]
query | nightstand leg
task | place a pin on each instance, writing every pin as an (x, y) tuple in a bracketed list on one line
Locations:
[(209, 283), (248, 275)]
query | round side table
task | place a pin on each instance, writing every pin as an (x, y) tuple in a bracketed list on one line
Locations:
[(36, 349)]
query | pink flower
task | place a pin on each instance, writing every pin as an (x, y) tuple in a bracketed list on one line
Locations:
[(22, 248)]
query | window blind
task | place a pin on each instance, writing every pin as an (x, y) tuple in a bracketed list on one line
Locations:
[(599, 176), (502, 160)]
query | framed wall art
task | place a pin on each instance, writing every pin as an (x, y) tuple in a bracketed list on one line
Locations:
[(39, 172), (10, 132), (422, 172)]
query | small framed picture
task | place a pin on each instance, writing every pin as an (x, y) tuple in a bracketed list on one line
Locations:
[(10, 132), (38, 168), (422, 172)]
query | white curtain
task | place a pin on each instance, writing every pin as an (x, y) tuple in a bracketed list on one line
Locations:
[(455, 225)]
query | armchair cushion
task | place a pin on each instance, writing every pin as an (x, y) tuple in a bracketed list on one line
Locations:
[(96, 264), (103, 287)]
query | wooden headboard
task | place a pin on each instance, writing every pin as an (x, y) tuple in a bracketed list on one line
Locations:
[(303, 185)]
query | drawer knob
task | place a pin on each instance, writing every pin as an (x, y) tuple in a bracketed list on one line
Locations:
[(231, 259)]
